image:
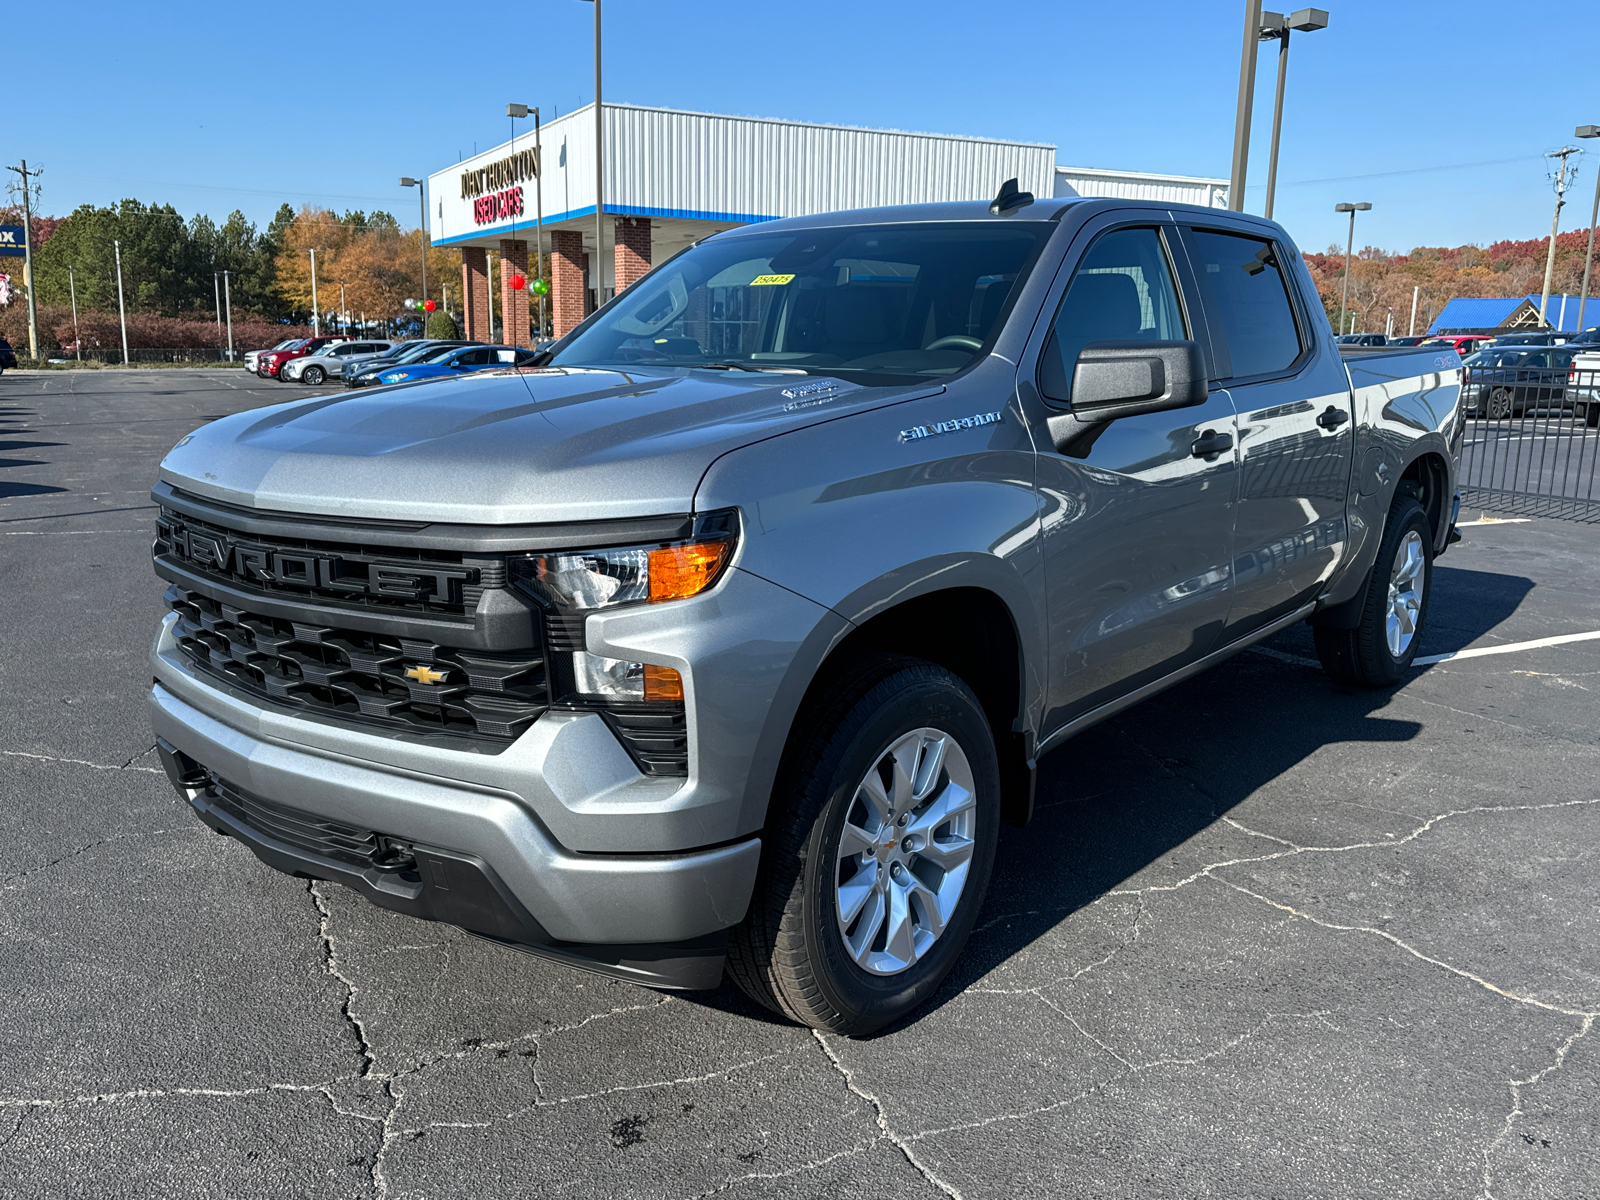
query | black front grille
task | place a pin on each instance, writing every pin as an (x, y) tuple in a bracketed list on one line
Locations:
[(373, 679), (302, 830), (370, 577)]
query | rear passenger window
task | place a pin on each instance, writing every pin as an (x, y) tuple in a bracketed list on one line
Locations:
[(1122, 291), (1247, 299)]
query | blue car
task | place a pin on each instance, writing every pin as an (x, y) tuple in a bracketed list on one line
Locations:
[(461, 362)]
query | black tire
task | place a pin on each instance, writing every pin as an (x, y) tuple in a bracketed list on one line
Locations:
[(789, 953), (312, 376), (1591, 415), (1361, 657)]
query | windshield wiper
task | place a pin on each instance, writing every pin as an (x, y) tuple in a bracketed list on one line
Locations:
[(739, 366)]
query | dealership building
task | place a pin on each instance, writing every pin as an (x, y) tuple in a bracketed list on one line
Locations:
[(673, 177)]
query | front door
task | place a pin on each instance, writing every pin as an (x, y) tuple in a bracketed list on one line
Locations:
[(1137, 519)]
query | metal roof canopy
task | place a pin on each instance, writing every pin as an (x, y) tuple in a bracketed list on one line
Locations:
[(1486, 314), (696, 173)]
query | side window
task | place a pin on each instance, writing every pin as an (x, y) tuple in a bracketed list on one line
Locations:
[(1540, 358), (1121, 291), (1248, 299)]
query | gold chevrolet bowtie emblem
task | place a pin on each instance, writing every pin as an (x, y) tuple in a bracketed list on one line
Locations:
[(425, 675)]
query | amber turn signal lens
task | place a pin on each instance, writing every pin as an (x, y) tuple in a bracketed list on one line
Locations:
[(662, 683), (686, 570)]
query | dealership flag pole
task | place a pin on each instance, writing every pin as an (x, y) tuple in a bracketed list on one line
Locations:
[(122, 312), (538, 192), (227, 300)]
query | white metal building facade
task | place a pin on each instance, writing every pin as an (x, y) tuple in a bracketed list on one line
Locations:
[(672, 177)]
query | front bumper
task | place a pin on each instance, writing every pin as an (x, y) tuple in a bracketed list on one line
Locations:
[(482, 861)]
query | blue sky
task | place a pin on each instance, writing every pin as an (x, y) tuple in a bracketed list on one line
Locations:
[(1436, 113)]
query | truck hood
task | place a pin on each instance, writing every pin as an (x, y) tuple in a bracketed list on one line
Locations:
[(504, 447)]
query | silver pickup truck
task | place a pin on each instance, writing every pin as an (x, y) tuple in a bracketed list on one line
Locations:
[(728, 637)]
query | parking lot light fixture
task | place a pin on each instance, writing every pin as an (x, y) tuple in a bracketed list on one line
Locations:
[(1589, 131), (422, 219), (600, 172), (1277, 27), (519, 112), (1352, 209)]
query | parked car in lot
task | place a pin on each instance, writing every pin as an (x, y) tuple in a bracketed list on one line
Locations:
[(252, 358), (686, 652), (1408, 340), (1536, 338), (329, 362), (1583, 379), (8, 356), (456, 362), (365, 374), (270, 364), (1462, 344), (1497, 383), (1362, 339)]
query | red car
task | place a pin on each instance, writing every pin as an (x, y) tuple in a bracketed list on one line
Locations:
[(1462, 344), (271, 361)]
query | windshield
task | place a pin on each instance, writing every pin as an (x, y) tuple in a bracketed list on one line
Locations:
[(410, 353), (877, 304)]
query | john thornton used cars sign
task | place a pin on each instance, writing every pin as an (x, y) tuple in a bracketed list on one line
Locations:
[(11, 240)]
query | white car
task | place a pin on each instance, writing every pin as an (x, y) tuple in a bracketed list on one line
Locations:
[(252, 357), (328, 364)]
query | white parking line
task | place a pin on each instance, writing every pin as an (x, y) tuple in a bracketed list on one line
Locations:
[(1495, 521), (1512, 648)]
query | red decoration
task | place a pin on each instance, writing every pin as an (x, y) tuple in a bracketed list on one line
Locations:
[(518, 283), (429, 306)]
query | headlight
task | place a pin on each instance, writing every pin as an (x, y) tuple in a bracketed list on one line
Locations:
[(572, 584)]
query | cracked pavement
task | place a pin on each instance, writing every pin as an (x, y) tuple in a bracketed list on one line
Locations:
[(1265, 937)]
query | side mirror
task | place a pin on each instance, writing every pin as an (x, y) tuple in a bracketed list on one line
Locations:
[(1123, 379)]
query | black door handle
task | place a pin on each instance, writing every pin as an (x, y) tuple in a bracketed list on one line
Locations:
[(1211, 442), (1332, 417)]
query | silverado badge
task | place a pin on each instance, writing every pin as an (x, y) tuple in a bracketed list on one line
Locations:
[(423, 674)]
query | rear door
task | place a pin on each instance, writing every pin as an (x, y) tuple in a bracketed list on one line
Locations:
[(1296, 431), (1137, 520)]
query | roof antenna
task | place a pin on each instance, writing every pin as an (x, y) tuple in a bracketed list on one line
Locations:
[(1009, 198)]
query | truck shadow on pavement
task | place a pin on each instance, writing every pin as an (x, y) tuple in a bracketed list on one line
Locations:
[(1126, 794)]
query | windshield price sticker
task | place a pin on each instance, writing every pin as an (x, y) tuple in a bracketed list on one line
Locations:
[(770, 280)]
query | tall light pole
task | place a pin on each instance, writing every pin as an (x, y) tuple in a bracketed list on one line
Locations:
[(1277, 27), (422, 229), (316, 321), (517, 112), (122, 312), (1352, 209), (216, 292), (227, 300), (77, 338), (1241, 118), (600, 163), (1415, 292), (1589, 131), (1555, 223)]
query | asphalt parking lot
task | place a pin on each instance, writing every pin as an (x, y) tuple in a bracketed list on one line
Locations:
[(1266, 937)]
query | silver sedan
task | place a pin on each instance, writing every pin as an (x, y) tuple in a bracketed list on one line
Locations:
[(330, 363)]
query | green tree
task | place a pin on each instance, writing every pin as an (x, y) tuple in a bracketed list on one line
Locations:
[(443, 326)]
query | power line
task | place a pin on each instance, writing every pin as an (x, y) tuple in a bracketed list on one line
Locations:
[(1492, 162)]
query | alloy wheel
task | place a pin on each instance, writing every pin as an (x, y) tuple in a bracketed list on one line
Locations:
[(1407, 578), (905, 851)]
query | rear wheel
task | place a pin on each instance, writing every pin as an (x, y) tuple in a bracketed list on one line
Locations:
[(1377, 652), (1500, 404), (879, 851)]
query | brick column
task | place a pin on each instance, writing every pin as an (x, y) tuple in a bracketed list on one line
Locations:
[(566, 280), (632, 250), (477, 316), (513, 304)]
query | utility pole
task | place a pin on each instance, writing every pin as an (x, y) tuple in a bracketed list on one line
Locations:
[(27, 247), (1241, 118), (77, 339), (1352, 209), (1555, 221), (1412, 332), (122, 311), (227, 300), (1589, 131)]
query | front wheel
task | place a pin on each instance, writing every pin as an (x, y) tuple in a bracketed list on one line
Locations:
[(1377, 652), (882, 839), (313, 376)]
